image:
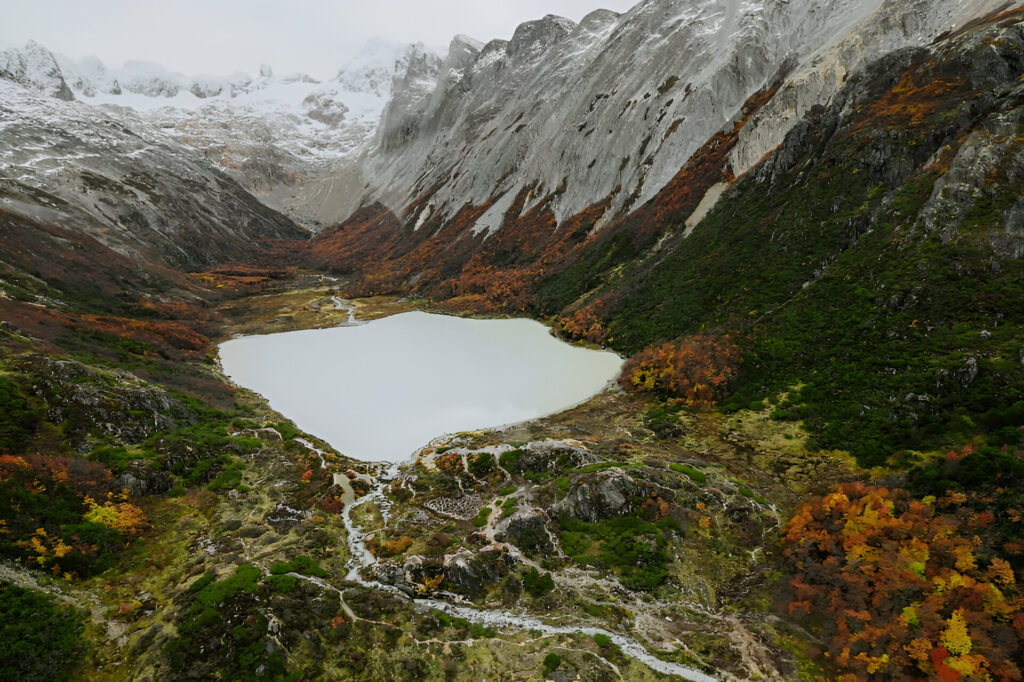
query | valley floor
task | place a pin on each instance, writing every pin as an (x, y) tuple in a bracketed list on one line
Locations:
[(634, 517)]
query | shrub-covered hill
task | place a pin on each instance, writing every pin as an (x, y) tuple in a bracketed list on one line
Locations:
[(869, 268), (872, 263)]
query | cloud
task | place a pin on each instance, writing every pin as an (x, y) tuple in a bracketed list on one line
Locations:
[(221, 36)]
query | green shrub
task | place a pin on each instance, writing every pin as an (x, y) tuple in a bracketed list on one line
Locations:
[(481, 464), (696, 475), (481, 518), (300, 564), (536, 584), (562, 482), (509, 460), (18, 419), (229, 478), (478, 631), (41, 637), (633, 548), (283, 584), (115, 458), (225, 619)]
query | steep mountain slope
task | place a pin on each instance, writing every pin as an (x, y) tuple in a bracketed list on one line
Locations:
[(34, 67), (625, 100), (927, 115), (877, 250), (652, 115)]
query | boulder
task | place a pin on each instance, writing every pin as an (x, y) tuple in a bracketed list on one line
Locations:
[(269, 434), (141, 479), (527, 530), (471, 575), (603, 495)]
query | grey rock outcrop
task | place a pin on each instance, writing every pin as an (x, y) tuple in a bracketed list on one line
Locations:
[(551, 456), (603, 495), (472, 574), (91, 403), (526, 530), (993, 149), (140, 478)]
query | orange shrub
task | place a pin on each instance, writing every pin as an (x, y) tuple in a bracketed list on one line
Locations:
[(696, 368)]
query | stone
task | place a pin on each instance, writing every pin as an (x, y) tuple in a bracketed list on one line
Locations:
[(269, 434), (472, 574), (528, 531), (141, 479), (603, 495), (966, 375)]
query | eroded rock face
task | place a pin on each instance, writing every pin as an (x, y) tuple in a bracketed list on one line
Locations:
[(526, 530), (140, 478), (994, 149), (603, 495), (467, 573), (472, 574), (92, 403), (129, 186), (552, 455), (35, 67), (283, 518), (617, 104)]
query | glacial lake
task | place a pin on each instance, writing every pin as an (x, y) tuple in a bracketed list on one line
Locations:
[(381, 390)]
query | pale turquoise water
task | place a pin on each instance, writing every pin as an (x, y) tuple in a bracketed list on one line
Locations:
[(381, 390)]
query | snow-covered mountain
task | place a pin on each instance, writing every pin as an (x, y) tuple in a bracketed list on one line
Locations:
[(132, 187), (34, 67), (275, 134), (609, 109)]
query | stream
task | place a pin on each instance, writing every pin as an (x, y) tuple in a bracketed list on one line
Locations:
[(493, 618)]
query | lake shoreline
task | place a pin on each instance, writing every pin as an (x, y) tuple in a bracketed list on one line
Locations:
[(381, 390)]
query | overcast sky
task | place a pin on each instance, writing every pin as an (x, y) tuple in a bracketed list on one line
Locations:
[(221, 36)]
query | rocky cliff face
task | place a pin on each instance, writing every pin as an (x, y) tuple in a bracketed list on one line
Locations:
[(35, 67), (615, 106)]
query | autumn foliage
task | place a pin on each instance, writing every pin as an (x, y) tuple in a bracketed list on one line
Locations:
[(52, 521), (586, 322), (903, 588), (696, 368), (118, 513)]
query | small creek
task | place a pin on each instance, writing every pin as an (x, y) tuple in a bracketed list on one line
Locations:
[(494, 618)]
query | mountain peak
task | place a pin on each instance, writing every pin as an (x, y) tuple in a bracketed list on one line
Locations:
[(463, 40), (36, 68), (532, 38)]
